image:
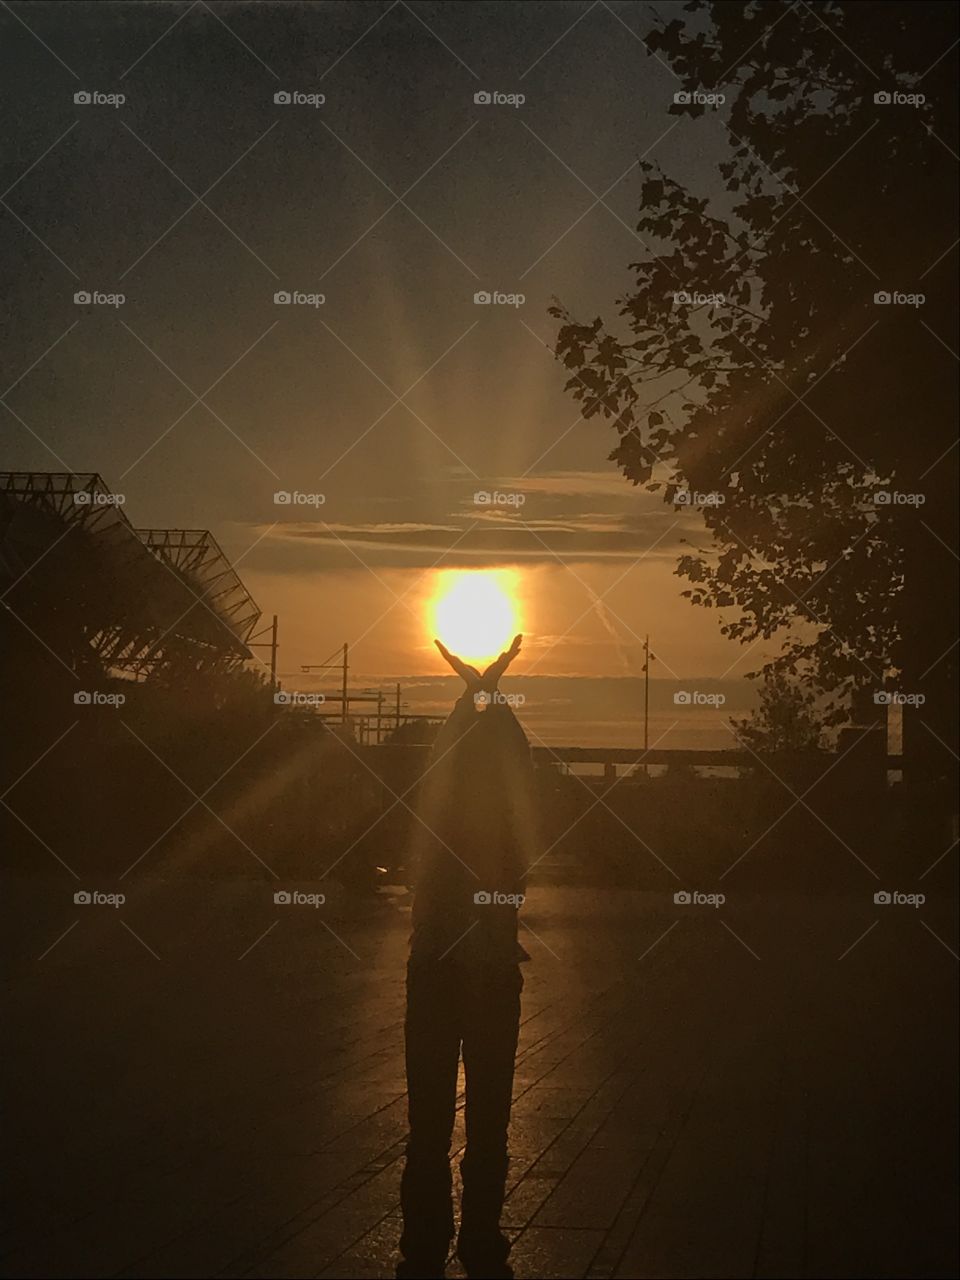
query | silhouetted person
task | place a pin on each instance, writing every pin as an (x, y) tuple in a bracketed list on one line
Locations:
[(463, 975)]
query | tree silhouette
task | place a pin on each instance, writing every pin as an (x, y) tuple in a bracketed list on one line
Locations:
[(786, 719), (785, 388)]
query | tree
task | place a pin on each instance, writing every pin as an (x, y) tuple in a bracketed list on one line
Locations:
[(787, 718), (754, 363)]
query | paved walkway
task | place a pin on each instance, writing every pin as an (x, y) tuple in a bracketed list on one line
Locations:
[(209, 1084)]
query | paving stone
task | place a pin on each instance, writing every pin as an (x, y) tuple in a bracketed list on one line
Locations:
[(686, 1103)]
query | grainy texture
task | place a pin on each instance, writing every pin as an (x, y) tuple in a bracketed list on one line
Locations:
[(731, 1104)]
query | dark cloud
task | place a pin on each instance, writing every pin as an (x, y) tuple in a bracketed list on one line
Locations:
[(484, 543)]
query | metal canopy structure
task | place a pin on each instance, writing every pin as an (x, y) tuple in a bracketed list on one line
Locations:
[(194, 556), (95, 588)]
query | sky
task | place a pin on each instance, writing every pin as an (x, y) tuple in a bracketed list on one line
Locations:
[(389, 405)]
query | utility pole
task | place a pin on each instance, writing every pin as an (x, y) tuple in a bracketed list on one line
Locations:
[(326, 666), (343, 718), (398, 704), (255, 643), (646, 693), (341, 663), (648, 657)]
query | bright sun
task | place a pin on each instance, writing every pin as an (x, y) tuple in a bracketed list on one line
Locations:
[(475, 612)]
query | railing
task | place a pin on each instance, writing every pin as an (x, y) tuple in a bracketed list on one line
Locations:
[(859, 750)]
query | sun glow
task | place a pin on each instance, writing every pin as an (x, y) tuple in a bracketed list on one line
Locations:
[(475, 613)]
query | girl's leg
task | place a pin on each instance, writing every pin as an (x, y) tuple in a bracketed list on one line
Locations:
[(432, 1031), (491, 1030)]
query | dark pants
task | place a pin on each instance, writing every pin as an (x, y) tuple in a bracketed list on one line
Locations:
[(450, 1008)]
